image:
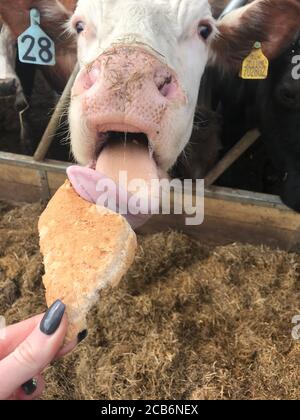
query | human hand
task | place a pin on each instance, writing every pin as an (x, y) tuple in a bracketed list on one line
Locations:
[(27, 348)]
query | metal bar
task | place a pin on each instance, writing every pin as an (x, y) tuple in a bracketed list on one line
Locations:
[(234, 4), (29, 162), (247, 141), (210, 192), (247, 197), (50, 132)]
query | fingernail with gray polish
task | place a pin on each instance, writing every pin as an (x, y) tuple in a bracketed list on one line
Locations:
[(30, 387), (52, 318), (82, 336)]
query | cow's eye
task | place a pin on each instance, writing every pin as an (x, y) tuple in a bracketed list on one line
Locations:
[(204, 30), (80, 26)]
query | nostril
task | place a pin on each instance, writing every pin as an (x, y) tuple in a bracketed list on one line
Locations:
[(86, 79), (8, 87), (164, 88), (92, 75), (164, 83)]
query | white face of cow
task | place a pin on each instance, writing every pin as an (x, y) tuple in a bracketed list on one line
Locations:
[(141, 65), (10, 85), (9, 81)]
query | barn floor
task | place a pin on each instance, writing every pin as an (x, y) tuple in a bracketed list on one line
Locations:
[(188, 321)]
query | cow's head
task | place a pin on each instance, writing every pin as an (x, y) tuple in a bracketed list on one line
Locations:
[(54, 15), (141, 63), (285, 81), (10, 85)]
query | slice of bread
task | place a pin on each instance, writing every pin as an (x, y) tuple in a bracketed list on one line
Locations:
[(86, 248)]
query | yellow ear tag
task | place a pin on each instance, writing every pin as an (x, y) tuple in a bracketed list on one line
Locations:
[(256, 65)]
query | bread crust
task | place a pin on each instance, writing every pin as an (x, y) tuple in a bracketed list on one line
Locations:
[(86, 248)]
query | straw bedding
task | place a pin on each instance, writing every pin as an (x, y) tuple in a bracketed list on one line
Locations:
[(189, 321)]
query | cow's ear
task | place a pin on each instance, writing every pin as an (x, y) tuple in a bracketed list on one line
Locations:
[(69, 5), (54, 14), (274, 23)]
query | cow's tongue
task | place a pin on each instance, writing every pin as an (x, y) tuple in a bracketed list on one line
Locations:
[(132, 160)]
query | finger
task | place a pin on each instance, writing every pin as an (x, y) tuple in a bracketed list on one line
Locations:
[(71, 346), (31, 390), (36, 352), (15, 334), (67, 349)]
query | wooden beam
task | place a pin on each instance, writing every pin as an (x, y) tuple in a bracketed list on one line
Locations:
[(230, 215), (54, 122), (24, 179), (232, 156)]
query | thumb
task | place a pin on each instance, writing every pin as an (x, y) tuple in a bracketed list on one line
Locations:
[(35, 353)]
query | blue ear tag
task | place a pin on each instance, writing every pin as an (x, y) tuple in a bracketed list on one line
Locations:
[(34, 45)]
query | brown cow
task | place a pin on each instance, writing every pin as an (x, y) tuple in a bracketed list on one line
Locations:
[(54, 14)]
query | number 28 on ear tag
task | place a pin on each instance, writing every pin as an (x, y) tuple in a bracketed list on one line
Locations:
[(256, 65), (34, 45)]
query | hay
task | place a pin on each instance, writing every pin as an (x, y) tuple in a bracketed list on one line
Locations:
[(188, 321)]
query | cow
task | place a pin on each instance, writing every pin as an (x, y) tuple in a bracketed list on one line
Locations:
[(141, 75), (12, 94), (278, 106), (17, 79), (16, 16), (141, 64), (9, 82), (204, 147), (273, 106)]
